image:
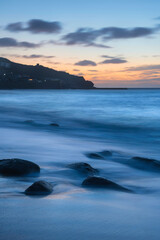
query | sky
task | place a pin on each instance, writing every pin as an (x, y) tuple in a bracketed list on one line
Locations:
[(113, 43)]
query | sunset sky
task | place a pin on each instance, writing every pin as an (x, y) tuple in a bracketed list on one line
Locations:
[(114, 43)]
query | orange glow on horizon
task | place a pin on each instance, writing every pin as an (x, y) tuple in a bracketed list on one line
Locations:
[(101, 74)]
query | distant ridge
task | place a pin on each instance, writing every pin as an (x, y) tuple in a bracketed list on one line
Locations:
[(20, 76)]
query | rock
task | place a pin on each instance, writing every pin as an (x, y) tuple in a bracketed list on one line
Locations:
[(39, 188), (99, 155), (94, 156), (145, 164), (83, 168), (147, 160), (54, 124), (102, 183), (18, 167)]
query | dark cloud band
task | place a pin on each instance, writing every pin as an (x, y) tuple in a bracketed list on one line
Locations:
[(89, 36), (35, 26)]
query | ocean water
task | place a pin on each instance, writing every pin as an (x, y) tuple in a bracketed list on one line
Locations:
[(125, 122)]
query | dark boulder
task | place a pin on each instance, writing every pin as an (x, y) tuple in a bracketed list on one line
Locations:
[(18, 167), (39, 188), (102, 183), (83, 168)]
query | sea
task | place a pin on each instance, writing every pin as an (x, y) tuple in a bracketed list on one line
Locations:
[(55, 128)]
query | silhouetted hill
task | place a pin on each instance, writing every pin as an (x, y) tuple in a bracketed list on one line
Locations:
[(20, 76)]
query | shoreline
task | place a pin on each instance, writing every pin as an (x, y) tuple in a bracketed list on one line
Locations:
[(77, 89)]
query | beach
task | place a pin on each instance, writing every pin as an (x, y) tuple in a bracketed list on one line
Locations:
[(55, 128)]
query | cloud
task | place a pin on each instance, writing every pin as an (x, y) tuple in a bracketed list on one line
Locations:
[(35, 26), (97, 45), (92, 70), (125, 33), (155, 56), (150, 73), (54, 63), (36, 56), (33, 56), (148, 80), (61, 42), (113, 60), (85, 63), (144, 67), (89, 36), (106, 56), (83, 36), (138, 83), (11, 42), (109, 60)]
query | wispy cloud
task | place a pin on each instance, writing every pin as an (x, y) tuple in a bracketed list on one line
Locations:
[(11, 42), (144, 68), (92, 70), (138, 83), (37, 56), (85, 63), (113, 60), (106, 56), (32, 56), (156, 56)]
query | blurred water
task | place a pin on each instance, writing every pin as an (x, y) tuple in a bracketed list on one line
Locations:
[(126, 122), (128, 118)]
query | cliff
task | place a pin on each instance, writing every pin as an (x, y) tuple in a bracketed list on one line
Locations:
[(20, 76)]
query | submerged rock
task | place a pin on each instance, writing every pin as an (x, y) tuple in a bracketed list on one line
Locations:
[(17, 167), (147, 160), (54, 124), (94, 156), (39, 188), (83, 168), (99, 155), (102, 183), (145, 164)]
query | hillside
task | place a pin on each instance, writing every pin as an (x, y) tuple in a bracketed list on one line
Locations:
[(20, 76)]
